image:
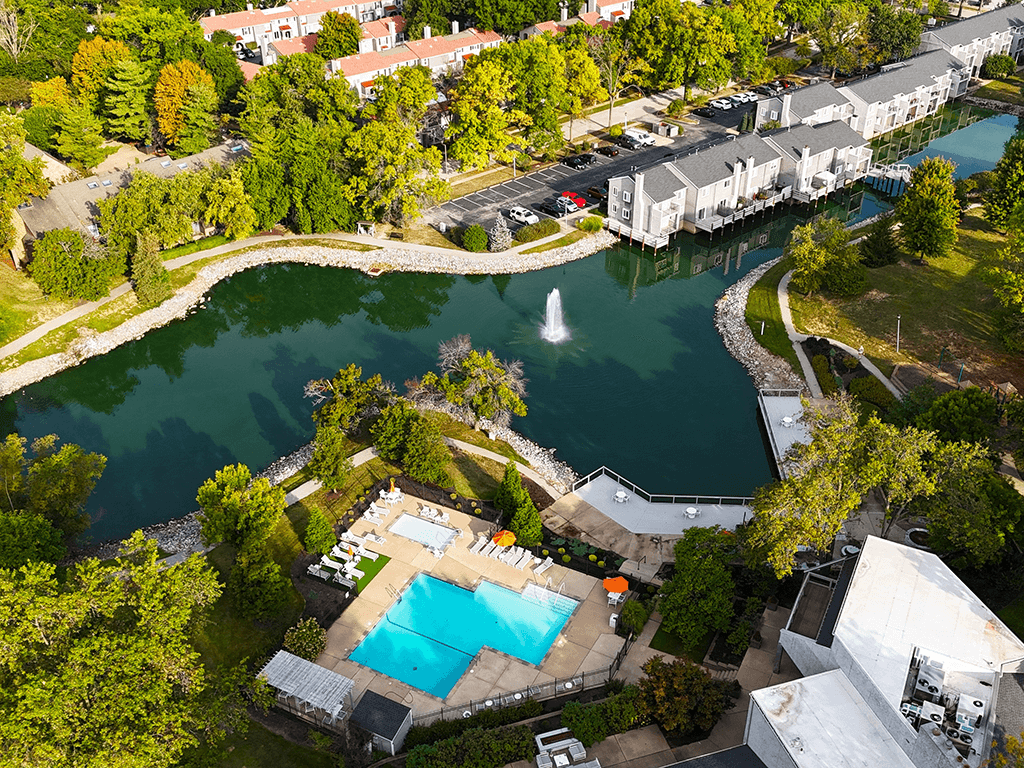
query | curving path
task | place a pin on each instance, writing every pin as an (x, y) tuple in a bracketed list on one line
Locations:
[(796, 337)]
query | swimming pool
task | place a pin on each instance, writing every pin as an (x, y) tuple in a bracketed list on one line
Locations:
[(425, 532), (429, 637)]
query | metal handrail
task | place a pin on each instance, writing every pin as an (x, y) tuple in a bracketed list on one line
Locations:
[(663, 498)]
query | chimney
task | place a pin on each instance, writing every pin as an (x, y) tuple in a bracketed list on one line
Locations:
[(248, 6), (750, 176), (591, 6), (212, 12), (787, 99), (455, 27), (391, 30), (426, 31), (805, 156), (637, 221), (564, 12)]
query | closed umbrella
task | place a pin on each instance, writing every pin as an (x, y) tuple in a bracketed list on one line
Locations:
[(617, 584), (504, 538)]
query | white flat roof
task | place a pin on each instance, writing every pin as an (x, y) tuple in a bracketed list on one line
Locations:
[(823, 722), (781, 413), (901, 598)]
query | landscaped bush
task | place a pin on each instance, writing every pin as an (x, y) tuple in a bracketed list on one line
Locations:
[(591, 224), (593, 723), (783, 65), (846, 280), (824, 375), (306, 639), (487, 719), (871, 390), (676, 108), (542, 228), (633, 616), (997, 66), (478, 748), (319, 536), (475, 238), (615, 130)]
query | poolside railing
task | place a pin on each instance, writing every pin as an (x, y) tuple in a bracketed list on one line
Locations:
[(663, 498)]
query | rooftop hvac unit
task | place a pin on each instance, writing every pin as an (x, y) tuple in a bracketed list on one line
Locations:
[(930, 678)]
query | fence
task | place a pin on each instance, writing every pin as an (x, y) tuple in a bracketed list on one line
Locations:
[(584, 681), (663, 498), (430, 493)]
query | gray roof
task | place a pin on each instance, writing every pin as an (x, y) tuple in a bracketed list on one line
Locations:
[(806, 101), (380, 715), (981, 26), (660, 183), (818, 138), (1009, 709), (905, 77), (74, 204), (717, 162), (307, 682)]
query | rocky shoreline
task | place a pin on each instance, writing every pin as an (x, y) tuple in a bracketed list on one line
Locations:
[(768, 371)]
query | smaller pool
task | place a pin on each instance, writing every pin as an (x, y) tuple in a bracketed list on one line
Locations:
[(424, 531), (429, 637)]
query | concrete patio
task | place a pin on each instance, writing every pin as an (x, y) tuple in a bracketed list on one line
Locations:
[(586, 643)]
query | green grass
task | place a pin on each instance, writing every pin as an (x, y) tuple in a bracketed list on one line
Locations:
[(946, 302), (568, 239), (475, 477), (458, 431), (1007, 90), (259, 748), (195, 246), (23, 305), (370, 568), (695, 651), (1013, 615), (763, 306)]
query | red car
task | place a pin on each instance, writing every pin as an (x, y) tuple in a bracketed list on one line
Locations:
[(581, 202)]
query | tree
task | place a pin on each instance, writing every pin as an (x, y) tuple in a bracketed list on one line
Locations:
[(257, 584), (480, 126), (824, 259), (683, 697), (239, 510), (1012, 753), (474, 238), (127, 89), (537, 68), (969, 415), (166, 208), (612, 52), (16, 29), (93, 63), (998, 66), (81, 138), (197, 123), (510, 491), (928, 211), (391, 430), (222, 64), (52, 93), (348, 398), (1007, 192), (481, 384), (330, 463), (425, 13), (227, 205), (265, 191), (19, 177), (501, 238), (893, 33), (426, 454), (751, 52), (698, 599), (880, 247), (526, 523), (319, 537), (838, 28), (114, 640), (65, 266), (150, 279), (582, 83), (173, 93), (158, 35), (339, 36), (307, 639), (27, 537)]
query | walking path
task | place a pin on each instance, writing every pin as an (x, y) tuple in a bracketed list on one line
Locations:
[(795, 337)]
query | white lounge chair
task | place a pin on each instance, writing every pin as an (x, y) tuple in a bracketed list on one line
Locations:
[(511, 556), (380, 511), (442, 516), (497, 552), (320, 573), (340, 551), (367, 515), (371, 536), (331, 563), (524, 560), (490, 547), (350, 570), (544, 566), (368, 554), (475, 549), (344, 580), (352, 538)]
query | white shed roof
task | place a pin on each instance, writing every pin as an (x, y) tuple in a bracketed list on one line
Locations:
[(307, 682)]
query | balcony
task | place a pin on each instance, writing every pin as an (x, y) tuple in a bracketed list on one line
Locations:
[(725, 215)]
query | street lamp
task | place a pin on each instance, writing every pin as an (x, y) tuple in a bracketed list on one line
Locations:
[(898, 333)]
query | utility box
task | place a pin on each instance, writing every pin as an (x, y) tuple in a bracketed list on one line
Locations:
[(666, 129)]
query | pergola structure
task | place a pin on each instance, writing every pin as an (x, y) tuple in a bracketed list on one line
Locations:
[(308, 690)]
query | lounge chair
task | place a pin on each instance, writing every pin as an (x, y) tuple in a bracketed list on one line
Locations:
[(368, 554), (371, 536), (544, 566), (497, 552), (441, 516), (352, 538), (331, 563), (522, 561), (490, 547), (368, 515), (380, 511), (544, 760), (320, 573), (475, 549), (341, 552), (351, 571), (344, 580), (511, 556)]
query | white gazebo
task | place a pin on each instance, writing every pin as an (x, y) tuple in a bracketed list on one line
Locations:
[(309, 690)]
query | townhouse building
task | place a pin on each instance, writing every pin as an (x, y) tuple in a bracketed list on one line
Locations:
[(380, 35), (1000, 31), (596, 13), (819, 159), (819, 103)]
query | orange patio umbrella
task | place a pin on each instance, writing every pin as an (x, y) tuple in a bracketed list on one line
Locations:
[(617, 584), (504, 538)]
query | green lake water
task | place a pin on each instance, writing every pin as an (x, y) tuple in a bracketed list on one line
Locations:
[(645, 386)]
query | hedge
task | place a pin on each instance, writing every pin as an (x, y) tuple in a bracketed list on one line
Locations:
[(593, 723), (871, 390), (476, 748), (823, 374), (488, 718), (591, 224), (542, 228)]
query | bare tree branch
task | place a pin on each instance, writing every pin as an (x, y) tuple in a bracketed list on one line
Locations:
[(15, 31)]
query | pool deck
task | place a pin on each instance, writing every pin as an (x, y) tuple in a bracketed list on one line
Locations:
[(586, 642)]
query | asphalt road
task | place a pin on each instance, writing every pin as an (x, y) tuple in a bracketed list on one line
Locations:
[(533, 188)]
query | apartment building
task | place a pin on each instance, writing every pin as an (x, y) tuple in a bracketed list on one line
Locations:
[(380, 35), (819, 103), (818, 159), (970, 40)]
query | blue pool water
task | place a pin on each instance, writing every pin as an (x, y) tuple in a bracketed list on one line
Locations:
[(429, 637)]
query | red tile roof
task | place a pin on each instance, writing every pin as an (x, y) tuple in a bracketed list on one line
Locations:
[(378, 29), (439, 46), (374, 61), (249, 70), (302, 44), (309, 7)]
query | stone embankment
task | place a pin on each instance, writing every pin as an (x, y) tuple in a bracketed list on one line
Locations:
[(768, 371), (388, 259)]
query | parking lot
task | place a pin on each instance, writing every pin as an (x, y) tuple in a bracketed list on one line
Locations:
[(531, 189)]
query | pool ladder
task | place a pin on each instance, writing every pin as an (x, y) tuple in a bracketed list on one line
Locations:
[(394, 593)]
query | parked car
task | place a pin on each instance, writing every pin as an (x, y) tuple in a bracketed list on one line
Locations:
[(598, 192), (738, 99), (782, 84), (643, 137), (578, 199), (723, 104), (704, 112), (523, 215), (575, 162), (766, 90), (567, 205), (588, 158), (627, 142), (551, 209), (609, 151)]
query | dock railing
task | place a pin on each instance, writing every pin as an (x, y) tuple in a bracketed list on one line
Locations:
[(663, 498)]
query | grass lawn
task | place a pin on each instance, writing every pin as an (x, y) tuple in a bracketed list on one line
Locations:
[(194, 247), (695, 651), (417, 232), (946, 302), (568, 239), (23, 305), (1007, 90), (371, 568), (763, 306), (259, 748), (476, 477)]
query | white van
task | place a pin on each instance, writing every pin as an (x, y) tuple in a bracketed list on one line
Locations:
[(645, 139)]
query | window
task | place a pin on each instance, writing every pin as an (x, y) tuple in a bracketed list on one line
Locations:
[(183, 166), (105, 182), (237, 148), (727, 183), (277, 35), (165, 163), (703, 191), (626, 196), (625, 214), (703, 212), (615, 191), (92, 185), (775, 115), (615, 209)]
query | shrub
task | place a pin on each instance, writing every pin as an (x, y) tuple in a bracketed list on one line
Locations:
[(782, 65), (823, 374), (600, 563), (306, 639), (585, 722), (700, 100), (593, 723), (771, 125), (475, 238), (871, 390), (633, 616), (319, 537), (591, 224), (615, 130), (561, 550), (566, 558), (544, 552), (592, 558), (676, 108), (739, 638), (542, 228), (476, 747), (998, 66), (488, 718)]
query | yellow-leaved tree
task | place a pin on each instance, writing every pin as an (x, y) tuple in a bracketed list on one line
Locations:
[(51, 93), (171, 94), (92, 64)]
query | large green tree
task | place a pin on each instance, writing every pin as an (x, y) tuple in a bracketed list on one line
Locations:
[(514, 501), (537, 68), (65, 266), (81, 138), (339, 35), (345, 399), (19, 177), (824, 259), (839, 28), (330, 463), (126, 101), (682, 697), (1007, 192), (150, 279), (893, 33), (928, 211), (481, 126), (228, 207), (238, 509), (698, 599)]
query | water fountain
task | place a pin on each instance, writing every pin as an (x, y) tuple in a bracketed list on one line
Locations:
[(554, 329)]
